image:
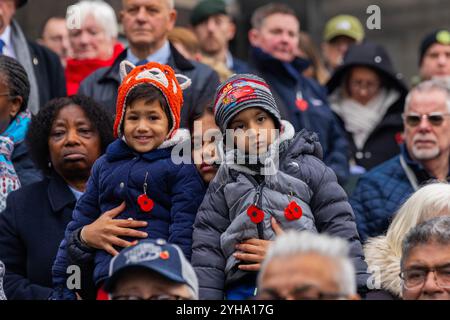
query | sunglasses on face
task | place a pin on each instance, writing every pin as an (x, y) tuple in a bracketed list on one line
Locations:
[(435, 118)]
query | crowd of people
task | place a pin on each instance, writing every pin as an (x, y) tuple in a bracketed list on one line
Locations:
[(162, 167)]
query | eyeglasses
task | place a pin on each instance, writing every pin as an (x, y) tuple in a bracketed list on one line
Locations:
[(307, 292), (371, 87), (156, 297), (435, 118), (416, 277)]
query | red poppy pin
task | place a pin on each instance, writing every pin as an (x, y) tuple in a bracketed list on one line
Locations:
[(255, 214), (293, 211), (164, 255), (301, 104), (145, 203)]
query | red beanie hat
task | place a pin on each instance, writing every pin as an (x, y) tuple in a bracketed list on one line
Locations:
[(161, 77)]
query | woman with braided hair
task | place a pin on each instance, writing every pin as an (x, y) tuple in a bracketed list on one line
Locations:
[(16, 167)]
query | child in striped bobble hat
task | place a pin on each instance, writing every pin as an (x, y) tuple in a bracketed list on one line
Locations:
[(270, 177), (138, 172)]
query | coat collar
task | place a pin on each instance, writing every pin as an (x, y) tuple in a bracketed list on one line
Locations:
[(422, 175), (269, 63), (176, 60), (119, 150), (59, 193), (270, 164)]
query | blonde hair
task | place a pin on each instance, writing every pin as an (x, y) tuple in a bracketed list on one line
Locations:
[(218, 66), (307, 46), (186, 38), (428, 202)]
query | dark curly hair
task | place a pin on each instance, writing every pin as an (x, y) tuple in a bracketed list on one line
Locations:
[(15, 78), (41, 124)]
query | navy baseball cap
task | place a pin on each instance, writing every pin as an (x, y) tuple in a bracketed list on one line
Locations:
[(155, 255)]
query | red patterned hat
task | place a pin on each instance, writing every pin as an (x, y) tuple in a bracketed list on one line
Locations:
[(161, 77)]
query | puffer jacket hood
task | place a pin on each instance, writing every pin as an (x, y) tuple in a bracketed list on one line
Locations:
[(384, 263), (371, 55), (289, 145), (304, 142)]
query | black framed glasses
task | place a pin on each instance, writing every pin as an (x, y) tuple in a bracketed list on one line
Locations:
[(434, 118), (155, 297), (414, 278)]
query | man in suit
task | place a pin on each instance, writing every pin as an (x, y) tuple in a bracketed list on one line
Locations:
[(43, 67)]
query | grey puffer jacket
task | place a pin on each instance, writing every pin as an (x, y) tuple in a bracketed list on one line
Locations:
[(222, 219)]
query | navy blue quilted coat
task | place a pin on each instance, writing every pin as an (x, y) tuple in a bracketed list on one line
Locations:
[(380, 193), (119, 175)]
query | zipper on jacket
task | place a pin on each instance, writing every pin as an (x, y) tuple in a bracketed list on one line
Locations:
[(258, 202)]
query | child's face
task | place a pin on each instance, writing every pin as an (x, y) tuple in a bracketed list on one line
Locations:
[(254, 130), (146, 125), (204, 153)]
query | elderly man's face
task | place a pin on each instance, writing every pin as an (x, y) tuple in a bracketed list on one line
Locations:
[(214, 33), (146, 23), (7, 11), (426, 141), (304, 276), (436, 62), (145, 285), (277, 36), (428, 257)]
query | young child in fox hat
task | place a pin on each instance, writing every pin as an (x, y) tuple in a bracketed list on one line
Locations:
[(137, 169)]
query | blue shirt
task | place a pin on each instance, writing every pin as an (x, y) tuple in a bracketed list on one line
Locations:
[(8, 49), (161, 55), (76, 193)]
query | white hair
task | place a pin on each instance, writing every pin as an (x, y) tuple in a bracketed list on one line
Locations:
[(430, 85), (294, 243), (102, 12), (426, 203)]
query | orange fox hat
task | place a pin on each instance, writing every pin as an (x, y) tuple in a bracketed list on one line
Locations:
[(159, 75)]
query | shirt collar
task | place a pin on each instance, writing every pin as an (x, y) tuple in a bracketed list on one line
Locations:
[(418, 169), (6, 37), (229, 60), (75, 192), (161, 55)]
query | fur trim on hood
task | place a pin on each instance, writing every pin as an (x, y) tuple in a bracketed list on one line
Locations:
[(384, 264), (288, 132)]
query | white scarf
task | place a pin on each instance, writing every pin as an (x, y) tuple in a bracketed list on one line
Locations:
[(360, 120)]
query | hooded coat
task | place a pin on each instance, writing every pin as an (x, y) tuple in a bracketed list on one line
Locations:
[(383, 142), (222, 220), (384, 262)]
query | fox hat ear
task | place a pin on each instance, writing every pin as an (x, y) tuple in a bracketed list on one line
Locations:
[(186, 83), (125, 68)]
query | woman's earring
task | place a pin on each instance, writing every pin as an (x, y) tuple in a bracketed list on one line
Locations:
[(49, 164)]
